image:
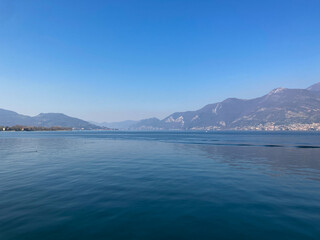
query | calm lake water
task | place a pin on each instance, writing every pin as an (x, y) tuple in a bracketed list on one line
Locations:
[(159, 185)]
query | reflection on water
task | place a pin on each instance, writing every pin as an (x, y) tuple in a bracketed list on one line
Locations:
[(287, 160), (165, 185)]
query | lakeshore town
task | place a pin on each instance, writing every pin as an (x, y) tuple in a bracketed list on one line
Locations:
[(268, 127), (259, 127), (24, 128)]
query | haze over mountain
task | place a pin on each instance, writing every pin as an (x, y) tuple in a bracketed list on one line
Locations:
[(118, 125), (280, 109), (10, 118)]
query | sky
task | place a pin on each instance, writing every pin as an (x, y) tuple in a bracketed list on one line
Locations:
[(116, 60)]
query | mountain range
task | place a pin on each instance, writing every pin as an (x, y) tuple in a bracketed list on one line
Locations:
[(10, 118), (280, 109)]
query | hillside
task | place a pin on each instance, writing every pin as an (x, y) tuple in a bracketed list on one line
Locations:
[(280, 109), (10, 118)]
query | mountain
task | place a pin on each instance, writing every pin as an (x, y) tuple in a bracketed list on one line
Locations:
[(123, 125), (147, 124), (10, 118), (280, 109), (61, 120), (315, 88)]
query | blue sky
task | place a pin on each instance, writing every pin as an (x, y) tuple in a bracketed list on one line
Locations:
[(118, 60)]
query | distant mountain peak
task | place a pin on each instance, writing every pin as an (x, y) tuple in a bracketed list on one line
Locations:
[(314, 87), (48, 114), (277, 90), (9, 118), (232, 100)]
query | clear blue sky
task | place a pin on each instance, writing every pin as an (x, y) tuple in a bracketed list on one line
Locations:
[(117, 60)]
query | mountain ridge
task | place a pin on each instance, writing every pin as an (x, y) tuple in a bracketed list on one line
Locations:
[(123, 125), (315, 88), (280, 109), (10, 118)]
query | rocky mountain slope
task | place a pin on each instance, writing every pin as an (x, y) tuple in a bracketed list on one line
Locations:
[(280, 109)]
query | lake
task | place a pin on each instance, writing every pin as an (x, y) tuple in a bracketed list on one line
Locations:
[(159, 185)]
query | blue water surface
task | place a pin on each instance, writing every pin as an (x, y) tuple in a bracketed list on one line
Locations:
[(159, 185)]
